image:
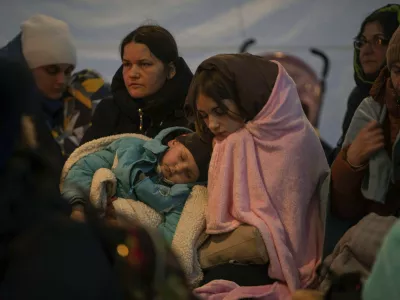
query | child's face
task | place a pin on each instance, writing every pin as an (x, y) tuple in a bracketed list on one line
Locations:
[(220, 123), (178, 164), (395, 77)]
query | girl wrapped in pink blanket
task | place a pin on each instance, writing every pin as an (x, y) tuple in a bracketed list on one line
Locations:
[(266, 168)]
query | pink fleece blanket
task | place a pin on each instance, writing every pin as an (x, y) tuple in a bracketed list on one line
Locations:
[(267, 175)]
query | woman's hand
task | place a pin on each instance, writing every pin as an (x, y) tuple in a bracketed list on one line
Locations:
[(368, 141)]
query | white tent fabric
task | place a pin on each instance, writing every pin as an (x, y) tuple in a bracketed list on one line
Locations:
[(207, 27)]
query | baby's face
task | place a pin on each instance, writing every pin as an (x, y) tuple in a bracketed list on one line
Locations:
[(178, 164)]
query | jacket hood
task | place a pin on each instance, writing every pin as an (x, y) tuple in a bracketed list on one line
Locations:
[(13, 50), (160, 143)]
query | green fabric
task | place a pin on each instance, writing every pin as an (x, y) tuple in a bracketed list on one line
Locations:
[(384, 281)]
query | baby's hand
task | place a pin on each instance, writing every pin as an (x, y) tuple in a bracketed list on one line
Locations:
[(110, 210), (111, 217), (78, 213), (142, 176)]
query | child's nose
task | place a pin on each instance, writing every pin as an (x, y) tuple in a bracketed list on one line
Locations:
[(179, 168)]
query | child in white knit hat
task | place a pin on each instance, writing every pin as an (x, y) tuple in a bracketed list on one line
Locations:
[(50, 53), (45, 47)]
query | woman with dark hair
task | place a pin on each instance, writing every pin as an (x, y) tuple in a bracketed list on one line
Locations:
[(149, 89), (370, 46), (44, 254), (365, 173)]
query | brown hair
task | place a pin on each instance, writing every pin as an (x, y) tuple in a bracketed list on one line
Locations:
[(216, 86), (246, 79), (158, 39)]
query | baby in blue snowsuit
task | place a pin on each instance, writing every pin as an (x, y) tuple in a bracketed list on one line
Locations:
[(160, 172)]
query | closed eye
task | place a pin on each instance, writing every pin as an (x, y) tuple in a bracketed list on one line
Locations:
[(218, 111), (183, 157), (202, 115), (52, 69)]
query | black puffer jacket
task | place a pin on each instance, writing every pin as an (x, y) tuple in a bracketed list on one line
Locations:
[(123, 114)]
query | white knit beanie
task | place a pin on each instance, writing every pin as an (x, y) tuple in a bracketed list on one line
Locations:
[(47, 41)]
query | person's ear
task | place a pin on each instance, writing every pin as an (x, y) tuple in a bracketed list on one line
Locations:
[(171, 70), (172, 143)]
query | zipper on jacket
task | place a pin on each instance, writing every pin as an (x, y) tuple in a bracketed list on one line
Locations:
[(140, 112), (140, 119)]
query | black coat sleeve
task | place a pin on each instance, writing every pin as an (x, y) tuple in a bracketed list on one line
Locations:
[(103, 121), (48, 147)]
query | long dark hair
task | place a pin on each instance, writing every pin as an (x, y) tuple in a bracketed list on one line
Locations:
[(158, 39)]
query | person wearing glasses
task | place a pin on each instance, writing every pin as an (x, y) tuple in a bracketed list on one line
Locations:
[(370, 47), (365, 176)]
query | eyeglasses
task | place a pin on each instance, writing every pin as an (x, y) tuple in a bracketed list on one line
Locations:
[(377, 41)]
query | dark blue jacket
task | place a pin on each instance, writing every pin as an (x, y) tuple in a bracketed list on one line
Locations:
[(45, 113)]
